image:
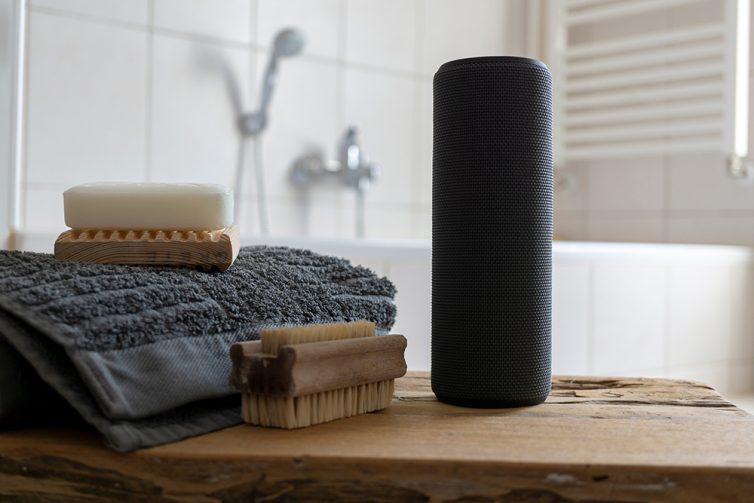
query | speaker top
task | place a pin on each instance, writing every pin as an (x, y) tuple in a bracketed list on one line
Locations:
[(492, 60)]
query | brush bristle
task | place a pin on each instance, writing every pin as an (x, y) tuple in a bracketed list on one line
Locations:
[(298, 412), (275, 338)]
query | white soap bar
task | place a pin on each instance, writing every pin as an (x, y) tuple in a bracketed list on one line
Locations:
[(149, 206)]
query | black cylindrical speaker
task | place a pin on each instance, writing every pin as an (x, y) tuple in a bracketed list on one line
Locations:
[(492, 232)]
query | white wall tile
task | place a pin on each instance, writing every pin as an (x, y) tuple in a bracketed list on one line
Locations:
[(302, 119), (637, 227), (751, 55), (325, 219), (731, 230), (382, 107), (569, 227), (412, 279), (699, 315), (628, 317), (626, 185), (318, 21), (742, 313), (571, 185), (455, 30), (194, 111), (386, 222), (519, 39), (319, 218), (645, 372), (743, 401), (381, 33), (715, 375), (349, 217), (43, 209), (285, 218), (751, 93), (742, 378), (87, 102), (701, 182), (424, 145), (571, 309), (423, 223), (227, 19), (134, 11)]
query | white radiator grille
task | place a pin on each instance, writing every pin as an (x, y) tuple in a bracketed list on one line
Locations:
[(675, 82)]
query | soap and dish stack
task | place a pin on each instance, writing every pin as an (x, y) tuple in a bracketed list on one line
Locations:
[(172, 224)]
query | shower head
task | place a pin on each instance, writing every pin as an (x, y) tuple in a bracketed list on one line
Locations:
[(288, 42)]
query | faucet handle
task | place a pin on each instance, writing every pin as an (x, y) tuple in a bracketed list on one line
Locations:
[(372, 171), (364, 176), (355, 169), (349, 135), (352, 167), (349, 153)]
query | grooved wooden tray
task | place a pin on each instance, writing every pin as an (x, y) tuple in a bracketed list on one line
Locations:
[(595, 439), (206, 249)]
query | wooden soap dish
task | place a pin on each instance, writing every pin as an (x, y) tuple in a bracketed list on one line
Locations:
[(206, 249)]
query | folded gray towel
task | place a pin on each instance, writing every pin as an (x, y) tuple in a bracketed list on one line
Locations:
[(141, 353)]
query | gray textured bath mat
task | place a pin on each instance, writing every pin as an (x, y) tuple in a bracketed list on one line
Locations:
[(141, 353)]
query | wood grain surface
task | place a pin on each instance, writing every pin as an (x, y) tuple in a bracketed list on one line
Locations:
[(595, 439), (205, 249)]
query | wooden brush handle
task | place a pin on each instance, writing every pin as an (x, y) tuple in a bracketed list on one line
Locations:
[(303, 369)]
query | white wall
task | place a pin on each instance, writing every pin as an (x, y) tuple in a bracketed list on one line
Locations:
[(151, 90), (139, 90)]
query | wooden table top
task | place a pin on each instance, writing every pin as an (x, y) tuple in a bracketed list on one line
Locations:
[(615, 439)]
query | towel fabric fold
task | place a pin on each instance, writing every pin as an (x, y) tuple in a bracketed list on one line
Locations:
[(141, 353)]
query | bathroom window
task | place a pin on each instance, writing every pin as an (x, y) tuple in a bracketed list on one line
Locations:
[(650, 77)]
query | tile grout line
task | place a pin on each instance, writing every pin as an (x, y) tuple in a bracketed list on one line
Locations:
[(666, 181), (203, 39), (149, 88), (590, 320), (340, 101), (228, 43), (52, 11), (586, 172), (254, 22), (139, 27), (667, 322), (686, 213), (418, 169), (245, 144), (732, 326), (24, 182), (341, 65)]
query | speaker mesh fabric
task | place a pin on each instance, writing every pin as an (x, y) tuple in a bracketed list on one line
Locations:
[(492, 232)]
